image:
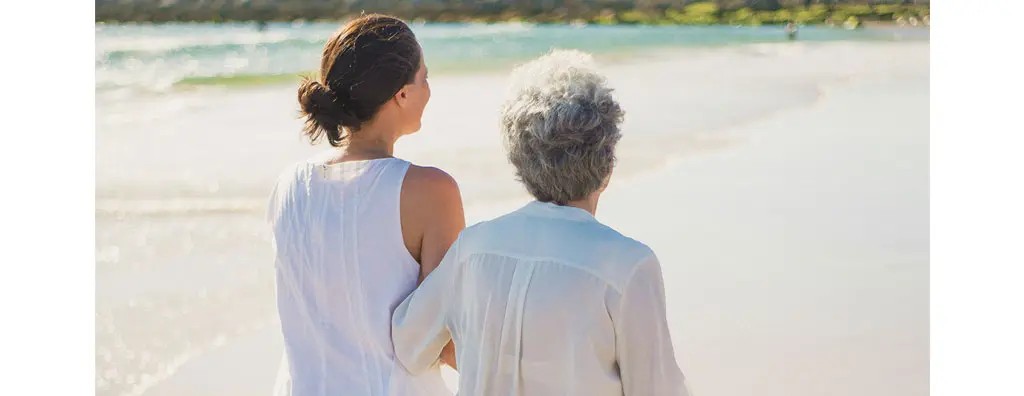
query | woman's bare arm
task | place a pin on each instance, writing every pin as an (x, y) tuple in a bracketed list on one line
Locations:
[(432, 217)]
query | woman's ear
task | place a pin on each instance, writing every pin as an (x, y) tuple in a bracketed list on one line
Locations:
[(401, 97)]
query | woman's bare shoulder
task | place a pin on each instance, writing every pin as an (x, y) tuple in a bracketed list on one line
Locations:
[(432, 214), (430, 186)]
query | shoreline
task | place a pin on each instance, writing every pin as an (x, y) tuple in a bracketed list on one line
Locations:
[(609, 58), (423, 147)]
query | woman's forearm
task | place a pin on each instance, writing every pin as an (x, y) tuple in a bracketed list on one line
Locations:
[(448, 355)]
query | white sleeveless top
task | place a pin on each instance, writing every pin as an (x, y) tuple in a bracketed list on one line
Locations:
[(342, 268)]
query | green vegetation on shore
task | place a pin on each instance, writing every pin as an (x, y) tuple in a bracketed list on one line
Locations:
[(647, 12), (241, 79)]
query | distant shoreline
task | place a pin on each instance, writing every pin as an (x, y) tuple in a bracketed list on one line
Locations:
[(304, 40), (290, 79), (700, 13)]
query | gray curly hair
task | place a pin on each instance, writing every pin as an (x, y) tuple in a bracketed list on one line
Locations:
[(560, 126)]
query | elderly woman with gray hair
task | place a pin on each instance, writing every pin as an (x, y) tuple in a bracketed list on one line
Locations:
[(546, 300)]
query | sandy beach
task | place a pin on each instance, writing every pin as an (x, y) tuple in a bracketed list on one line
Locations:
[(796, 263), (783, 186)]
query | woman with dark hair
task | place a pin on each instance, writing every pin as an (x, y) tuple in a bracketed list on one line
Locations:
[(356, 229)]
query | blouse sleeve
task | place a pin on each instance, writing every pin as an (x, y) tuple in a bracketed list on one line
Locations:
[(645, 356), (418, 326)]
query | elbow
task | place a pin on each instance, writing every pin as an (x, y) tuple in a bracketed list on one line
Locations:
[(410, 361), (406, 351), (405, 361)]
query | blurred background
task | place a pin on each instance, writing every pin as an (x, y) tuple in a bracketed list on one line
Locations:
[(775, 157)]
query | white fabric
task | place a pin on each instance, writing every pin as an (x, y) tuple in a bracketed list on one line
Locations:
[(342, 268), (544, 301)]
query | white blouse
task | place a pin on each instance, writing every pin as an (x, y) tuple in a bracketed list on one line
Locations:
[(544, 301)]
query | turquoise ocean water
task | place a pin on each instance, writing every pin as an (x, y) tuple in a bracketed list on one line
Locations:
[(158, 58)]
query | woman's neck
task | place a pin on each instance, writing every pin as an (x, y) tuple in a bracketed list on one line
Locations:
[(354, 151), (368, 144)]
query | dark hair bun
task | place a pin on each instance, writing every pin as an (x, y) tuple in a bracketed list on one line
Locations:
[(325, 116)]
